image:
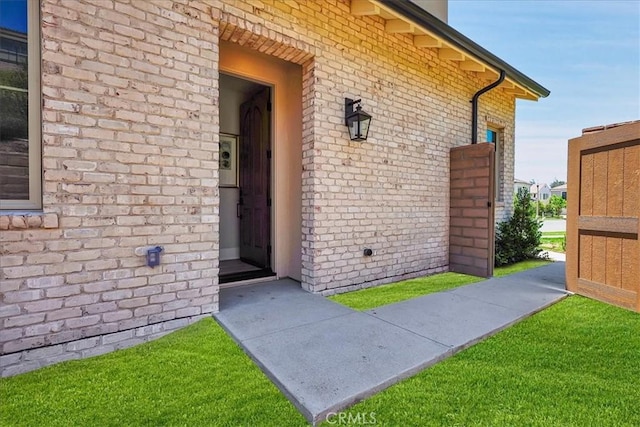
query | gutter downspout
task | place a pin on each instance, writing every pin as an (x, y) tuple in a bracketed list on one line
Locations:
[(474, 106)]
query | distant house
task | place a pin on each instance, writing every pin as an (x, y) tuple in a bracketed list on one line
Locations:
[(518, 184), (541, 192), (560, 190)]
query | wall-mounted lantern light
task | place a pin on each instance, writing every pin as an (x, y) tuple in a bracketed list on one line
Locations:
[(357, 121)]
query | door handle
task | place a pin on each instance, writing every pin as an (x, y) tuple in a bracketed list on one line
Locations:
[(240, 203)]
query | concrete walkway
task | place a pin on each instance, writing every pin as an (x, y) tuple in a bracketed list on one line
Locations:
[(325, 357), (555, 256), (554, 225)]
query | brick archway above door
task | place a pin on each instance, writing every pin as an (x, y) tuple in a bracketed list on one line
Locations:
[(287, 48)]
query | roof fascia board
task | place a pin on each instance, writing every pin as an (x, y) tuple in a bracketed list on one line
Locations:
[(447, 33)]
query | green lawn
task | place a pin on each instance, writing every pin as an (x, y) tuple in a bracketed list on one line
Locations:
[(193, 377), (519, 266), (366, 299), (573, 364), (552, 241), (394, 292)]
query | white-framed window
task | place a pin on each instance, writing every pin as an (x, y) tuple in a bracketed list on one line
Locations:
[(20, 106), (494, 136)]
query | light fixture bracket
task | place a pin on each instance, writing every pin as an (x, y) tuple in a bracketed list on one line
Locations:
[(348, 107)]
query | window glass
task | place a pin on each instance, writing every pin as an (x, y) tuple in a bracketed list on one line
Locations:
[(14, 101), (492, 136)]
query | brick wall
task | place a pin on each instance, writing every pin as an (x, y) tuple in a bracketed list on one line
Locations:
[(505, 161), (130, 124), (130, 130), (389, 193)]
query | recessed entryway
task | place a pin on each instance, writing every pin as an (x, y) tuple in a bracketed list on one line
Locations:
[(235, 271), (261, 202), (245, 179)]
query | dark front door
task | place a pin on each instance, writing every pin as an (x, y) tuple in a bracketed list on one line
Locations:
[(255, 171)]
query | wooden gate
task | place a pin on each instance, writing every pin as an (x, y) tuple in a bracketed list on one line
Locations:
[(472, 193), (603, 252)]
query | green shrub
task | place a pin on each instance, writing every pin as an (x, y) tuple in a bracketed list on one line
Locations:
[(14, 105), (518, 238), (556, 204)]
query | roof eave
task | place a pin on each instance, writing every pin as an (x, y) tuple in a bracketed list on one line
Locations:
[(423, 18)]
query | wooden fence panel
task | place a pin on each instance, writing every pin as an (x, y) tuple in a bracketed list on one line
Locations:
[(613, 263), (585, 248), (586, 181), (615, 181), (603, 216), (599, 186), (598, 259), (631, 264), (631, 205)]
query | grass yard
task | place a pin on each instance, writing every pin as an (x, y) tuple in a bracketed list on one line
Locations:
[(193, 377), (552, 241), (573, 364), (366, 299), (519, 266)]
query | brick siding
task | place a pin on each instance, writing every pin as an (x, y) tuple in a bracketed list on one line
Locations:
[(130, 128), (130, 160)]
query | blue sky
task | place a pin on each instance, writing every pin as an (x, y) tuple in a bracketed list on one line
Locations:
[(13, 15), (587, 53)]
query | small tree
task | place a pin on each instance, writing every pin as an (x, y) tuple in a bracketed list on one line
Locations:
[(556, 204), (540, 208), (545, 209), (518, 238)]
